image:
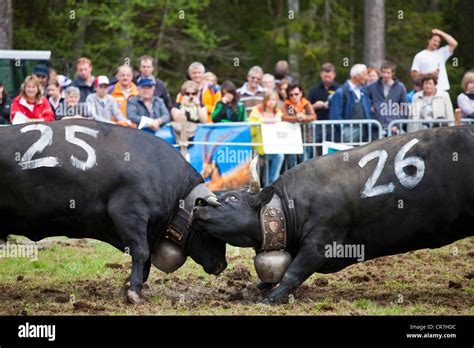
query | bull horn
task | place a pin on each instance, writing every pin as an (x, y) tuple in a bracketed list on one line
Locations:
[(254, 179), (212, 200)]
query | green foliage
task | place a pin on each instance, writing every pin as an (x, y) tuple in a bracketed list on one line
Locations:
[(177, 32)]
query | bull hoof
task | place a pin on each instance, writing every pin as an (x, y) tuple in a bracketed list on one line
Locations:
[(272, 300), (263, 301), (265, 286), (133, 297)]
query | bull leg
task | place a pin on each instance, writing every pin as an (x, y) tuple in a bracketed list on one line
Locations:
[(265, 286), (132, 230), (146, 270), (306, 262)]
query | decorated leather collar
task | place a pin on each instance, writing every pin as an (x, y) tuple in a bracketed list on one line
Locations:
[(273, 225), (179, 226)]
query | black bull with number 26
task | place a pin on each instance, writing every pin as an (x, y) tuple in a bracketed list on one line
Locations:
[(86, 179), (391, 196)]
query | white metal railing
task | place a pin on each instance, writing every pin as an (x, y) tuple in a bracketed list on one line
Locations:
[(408, 126)]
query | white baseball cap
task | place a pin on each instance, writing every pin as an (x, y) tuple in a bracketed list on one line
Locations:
[(102, 80)]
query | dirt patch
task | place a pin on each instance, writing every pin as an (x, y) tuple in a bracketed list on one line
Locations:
[(423, 282), (239, 272)]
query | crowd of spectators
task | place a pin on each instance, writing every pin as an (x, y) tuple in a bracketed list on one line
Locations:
[(141, 100)]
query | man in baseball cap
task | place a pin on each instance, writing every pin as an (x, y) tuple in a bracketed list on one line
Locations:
[(103, 106), (146, 110), (41, 72)]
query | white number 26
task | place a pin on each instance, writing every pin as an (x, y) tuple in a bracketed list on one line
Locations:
[(408, 181), (46, 139)]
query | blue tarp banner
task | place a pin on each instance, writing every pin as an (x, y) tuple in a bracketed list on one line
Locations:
[(224, 167)]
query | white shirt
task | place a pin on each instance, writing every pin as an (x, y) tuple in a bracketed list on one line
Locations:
[(428, 61), (355, 89)]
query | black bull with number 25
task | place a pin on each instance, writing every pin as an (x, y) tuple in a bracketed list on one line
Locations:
[(86, 179), (391, 196)]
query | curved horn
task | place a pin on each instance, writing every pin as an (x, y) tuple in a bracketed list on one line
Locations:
[(254, 179), (212, 200)]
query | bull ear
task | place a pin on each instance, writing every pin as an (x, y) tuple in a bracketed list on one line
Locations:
[(266, 195)]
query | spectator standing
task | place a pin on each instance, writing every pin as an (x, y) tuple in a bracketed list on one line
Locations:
[(189, 109), (268, 113), (466, 99), (229, 108), (146, 110), (52, 74), (5, 105), (211, 93), (55, 97), (251, 93), (432, 60), (124, 89), (268, 82), (147, 68), (298, 109), (102, 106), (372, 75), (282, 71), (72, 107), (30, 105), (84, 78), (282, 97), (430, 103), (41, 72), (351, 102), (416, 88), (319, 94), (187, 115), (388, 97)]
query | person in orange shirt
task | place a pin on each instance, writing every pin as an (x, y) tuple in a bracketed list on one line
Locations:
[(298, 109), (124, 89), (211, 93)]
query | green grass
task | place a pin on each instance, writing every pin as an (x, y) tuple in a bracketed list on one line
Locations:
[(94, 272)]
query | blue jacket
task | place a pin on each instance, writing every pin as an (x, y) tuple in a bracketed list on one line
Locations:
[(338, 111), (390, 108), (136, 109)]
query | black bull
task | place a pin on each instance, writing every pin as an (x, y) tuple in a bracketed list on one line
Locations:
[(85, 179), (391, 196)]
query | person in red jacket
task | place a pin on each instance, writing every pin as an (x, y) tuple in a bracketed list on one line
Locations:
[(30, 105)]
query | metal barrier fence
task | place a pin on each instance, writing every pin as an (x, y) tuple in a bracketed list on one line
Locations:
[(408, 126), (314, 135)]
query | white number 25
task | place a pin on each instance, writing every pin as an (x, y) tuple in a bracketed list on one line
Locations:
[(46, 139), (370, 190)]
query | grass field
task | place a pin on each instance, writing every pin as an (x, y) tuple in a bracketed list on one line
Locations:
[(84, 277)]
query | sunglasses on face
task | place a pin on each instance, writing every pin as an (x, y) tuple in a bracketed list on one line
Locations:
[(190, 94)]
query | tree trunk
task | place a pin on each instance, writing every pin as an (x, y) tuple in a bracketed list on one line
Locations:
[(268, 59), (6, 25), (81, 34), (160, 35), (374, 32), (293, 39)]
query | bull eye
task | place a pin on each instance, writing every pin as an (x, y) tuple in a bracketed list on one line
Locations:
[(231, 199)]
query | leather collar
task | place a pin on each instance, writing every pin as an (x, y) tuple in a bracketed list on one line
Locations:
[(179, 226), (273, 225)]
